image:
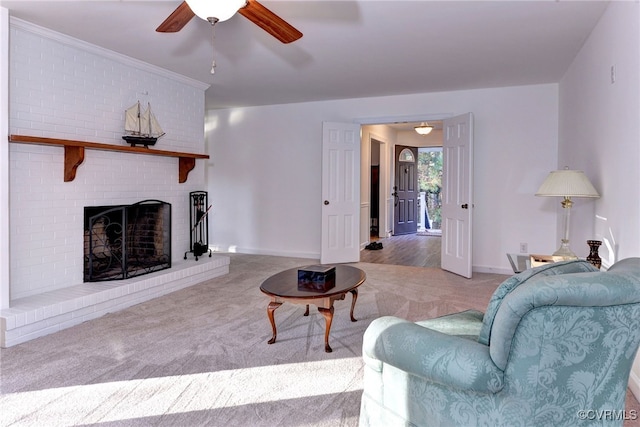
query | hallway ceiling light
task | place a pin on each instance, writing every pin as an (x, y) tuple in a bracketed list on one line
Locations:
[(424, 128)]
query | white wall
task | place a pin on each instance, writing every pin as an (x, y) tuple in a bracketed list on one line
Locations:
[(412, 139), (4, 158), (64, 88), (600, 134), (264, 177)]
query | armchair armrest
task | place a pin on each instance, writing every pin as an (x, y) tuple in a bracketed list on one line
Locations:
[(444, 359)]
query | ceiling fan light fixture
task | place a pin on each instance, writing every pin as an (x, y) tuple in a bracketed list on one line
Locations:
[(423, 129), (221, 10)]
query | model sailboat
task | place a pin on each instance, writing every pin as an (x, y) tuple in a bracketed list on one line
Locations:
[(141, 127)]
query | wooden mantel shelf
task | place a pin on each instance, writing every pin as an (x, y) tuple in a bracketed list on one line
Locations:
[(74, 153)]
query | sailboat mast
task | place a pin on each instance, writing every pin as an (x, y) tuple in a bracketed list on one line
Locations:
[(150, 121), (139, 121)]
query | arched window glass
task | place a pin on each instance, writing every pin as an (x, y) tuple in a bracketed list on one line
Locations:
[(406, 155)]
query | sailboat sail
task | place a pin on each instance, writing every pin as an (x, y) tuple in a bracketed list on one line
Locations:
[(144, 123), (141, 127), (132, 119), (154, 125)]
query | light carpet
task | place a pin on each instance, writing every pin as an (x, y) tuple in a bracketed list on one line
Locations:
[(199, 356)]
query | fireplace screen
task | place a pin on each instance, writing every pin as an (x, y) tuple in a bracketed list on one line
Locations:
[(126, 241)]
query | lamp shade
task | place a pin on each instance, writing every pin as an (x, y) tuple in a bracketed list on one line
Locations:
[(567, 183), (219, 9), (423, 129)]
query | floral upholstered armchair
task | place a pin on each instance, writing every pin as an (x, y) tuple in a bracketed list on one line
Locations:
[(554, 348)]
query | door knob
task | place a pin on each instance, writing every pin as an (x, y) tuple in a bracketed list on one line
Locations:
[(326, 202), (465, 206)]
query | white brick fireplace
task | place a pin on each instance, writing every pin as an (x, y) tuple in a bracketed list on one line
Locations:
[(66, 89)]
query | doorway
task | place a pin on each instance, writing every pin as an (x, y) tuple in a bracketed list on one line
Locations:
[(430, 185), (405, 191), (456, 138), (376, 198), (422, 248)]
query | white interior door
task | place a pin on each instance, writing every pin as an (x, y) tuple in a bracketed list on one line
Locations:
[(457, 199), (340, 193)]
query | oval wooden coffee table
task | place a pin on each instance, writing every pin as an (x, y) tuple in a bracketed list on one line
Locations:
[(283, 287)]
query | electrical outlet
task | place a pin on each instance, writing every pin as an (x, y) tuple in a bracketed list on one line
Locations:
[(524, 248)]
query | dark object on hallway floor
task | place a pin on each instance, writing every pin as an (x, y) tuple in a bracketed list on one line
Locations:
[(406, 249), (374, 246)]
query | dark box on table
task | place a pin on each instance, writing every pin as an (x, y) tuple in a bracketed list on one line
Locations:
[(316, 278)]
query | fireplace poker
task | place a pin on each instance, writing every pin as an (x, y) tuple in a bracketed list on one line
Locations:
[(204, 214)]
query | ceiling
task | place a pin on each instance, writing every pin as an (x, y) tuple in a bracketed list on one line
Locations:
[(350, 49), (409, 126)]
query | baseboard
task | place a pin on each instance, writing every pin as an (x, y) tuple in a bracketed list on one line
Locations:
[(492, 270), (254, 251)]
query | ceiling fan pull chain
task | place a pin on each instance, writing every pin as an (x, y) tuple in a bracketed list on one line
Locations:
[(213, 43)]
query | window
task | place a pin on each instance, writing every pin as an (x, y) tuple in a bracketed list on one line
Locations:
[(406, 155)]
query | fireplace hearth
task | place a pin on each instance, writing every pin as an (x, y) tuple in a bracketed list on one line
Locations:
[(126, 241)]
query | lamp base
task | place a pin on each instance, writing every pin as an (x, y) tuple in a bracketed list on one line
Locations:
[(564, 252)]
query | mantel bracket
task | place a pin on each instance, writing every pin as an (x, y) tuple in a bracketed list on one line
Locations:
[(73, 157), (185, 165)]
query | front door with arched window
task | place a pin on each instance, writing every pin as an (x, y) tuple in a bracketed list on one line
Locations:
[(405, 190)]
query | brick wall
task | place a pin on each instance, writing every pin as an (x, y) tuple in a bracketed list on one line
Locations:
[(64, 88)]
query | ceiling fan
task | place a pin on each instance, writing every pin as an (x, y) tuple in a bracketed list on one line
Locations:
[(225, 9)]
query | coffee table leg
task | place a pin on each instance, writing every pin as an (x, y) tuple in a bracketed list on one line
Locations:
[(328, 317), (272, 307), (354, 292), (306, 313)]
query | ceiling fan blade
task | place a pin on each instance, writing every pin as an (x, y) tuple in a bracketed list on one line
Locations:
[(270, 22), (177, 19)]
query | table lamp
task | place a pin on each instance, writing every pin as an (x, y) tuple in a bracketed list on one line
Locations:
[(567, 184)]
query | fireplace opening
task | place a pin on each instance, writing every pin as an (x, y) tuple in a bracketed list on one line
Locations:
[(125, 241)]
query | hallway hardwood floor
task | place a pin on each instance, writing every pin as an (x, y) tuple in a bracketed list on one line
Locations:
[(408, 249)]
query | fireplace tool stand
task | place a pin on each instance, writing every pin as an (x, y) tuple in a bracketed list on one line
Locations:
[(199, 224)]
